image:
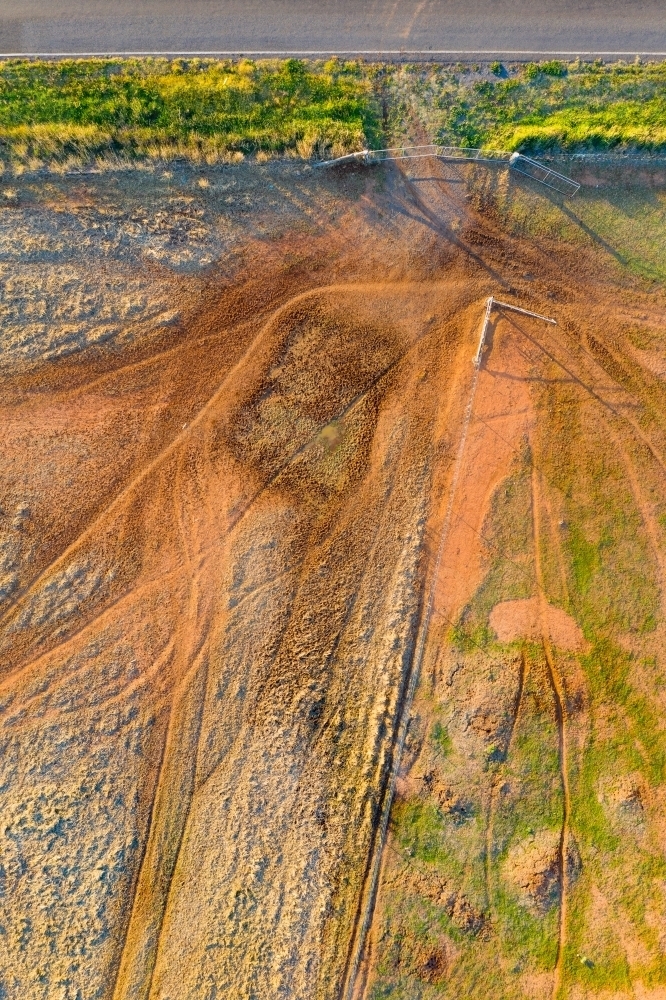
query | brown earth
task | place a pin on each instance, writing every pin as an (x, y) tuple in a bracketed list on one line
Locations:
[(461, 795), (224, 474), (532, 868)]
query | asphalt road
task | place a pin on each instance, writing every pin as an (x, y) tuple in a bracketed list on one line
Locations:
[(440, 29)]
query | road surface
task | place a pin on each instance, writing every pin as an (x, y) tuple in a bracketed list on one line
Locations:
[(439, 29)]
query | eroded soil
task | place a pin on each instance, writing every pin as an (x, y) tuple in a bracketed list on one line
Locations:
[(228, 457)]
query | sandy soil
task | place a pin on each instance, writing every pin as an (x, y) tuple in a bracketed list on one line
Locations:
[(212, 566)]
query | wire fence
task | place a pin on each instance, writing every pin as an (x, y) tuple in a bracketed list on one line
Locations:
[(483, 154), (544, 175), (547, 176), (417, 152), (442, 152)]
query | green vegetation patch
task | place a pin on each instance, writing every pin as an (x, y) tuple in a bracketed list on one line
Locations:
[(542, 106), (419, 829), (199, 109), (69, 111), (441, 740), (529, 939)]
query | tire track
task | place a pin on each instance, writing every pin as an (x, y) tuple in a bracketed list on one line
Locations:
[(495, 786), (605, 403), (241, 513), (559, 695), (198, 418), (177, 772), (97, 620), (369, 888), (171, 447), (644, 510), (168, 819), (179, 780), (652, 531), (161, 659)]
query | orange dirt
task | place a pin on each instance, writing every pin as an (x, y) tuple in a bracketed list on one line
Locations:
[(216, 545), (215, 575), (501, 420), (522, 620)]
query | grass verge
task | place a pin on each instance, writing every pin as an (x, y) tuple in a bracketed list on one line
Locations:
[(539, 106), (73, 111), (64, 114)]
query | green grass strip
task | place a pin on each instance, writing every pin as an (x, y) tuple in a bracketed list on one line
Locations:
[(540, 106), (198, 109)]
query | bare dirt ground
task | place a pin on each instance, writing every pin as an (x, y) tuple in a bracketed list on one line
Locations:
[(231, 410), (523, 619)]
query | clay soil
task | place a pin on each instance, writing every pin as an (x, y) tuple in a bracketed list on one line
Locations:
[(221, 506)]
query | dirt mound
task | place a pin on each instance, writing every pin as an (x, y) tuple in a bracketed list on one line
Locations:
[(532, 869), (527, 619), (458, 908), (431, 963), (625, 800)]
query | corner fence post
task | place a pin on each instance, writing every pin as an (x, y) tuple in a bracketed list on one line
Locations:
[(490, 304), (482, 340)]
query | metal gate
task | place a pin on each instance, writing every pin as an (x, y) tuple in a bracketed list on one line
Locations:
[(517, 161)]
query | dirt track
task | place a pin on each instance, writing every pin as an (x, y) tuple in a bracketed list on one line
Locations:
[(219, 537)]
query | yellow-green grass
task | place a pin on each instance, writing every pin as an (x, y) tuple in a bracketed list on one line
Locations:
[(615, 739), (203, 110), (539, 107), (620, 211)]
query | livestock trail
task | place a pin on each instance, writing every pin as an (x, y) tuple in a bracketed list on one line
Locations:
[(559, 694)]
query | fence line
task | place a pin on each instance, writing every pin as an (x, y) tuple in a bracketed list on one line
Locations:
[(493, 303), (369, 891), (416, 152), (518, 161), (544, 175)]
